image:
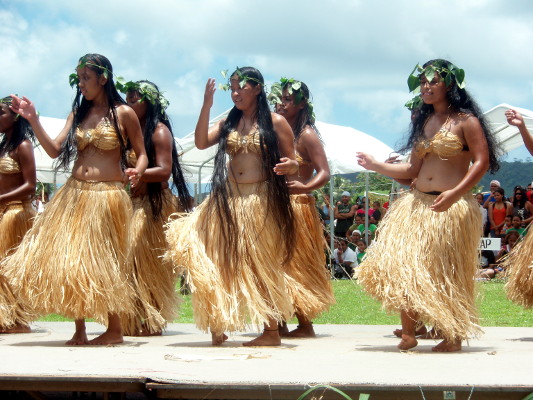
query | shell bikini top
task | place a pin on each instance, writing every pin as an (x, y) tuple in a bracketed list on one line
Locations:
[(103, 137), (8, 165), (237, 143), (301, 161), (444, 144)]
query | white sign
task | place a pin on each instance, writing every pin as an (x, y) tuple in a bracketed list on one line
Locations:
[(490, 244)]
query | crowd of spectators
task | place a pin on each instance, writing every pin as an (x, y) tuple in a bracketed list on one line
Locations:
[(503, 217)]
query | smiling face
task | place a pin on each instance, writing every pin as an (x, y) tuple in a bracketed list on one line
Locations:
[(91, 85), (244, 98), (433, 91), (7, 119)]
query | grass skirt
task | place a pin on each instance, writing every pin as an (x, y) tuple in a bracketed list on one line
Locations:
[(519, 265), (425, 261), (154, 280), (73, 261), (307, 279), (230, 293), (15, 219)]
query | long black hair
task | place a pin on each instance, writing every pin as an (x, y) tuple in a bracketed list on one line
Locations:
[(80, 108), (155, 113), (460, 101), (278, 199), (21, 131), (520, 203)]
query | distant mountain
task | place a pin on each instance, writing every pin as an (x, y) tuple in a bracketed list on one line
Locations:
[(510, 175)]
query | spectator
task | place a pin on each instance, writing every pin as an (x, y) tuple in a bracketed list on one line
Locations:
[(379, 212), (521, 206), (509, 242), (508, 224), (357, 220), (489, 197), (486, 259), (371, 230), (344, 213), (361, 246), (517, 226), (324, 209), (497, 212), (484, 217), (345, 260), (353, 239)]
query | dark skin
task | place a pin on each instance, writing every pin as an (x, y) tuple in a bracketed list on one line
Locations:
[(19, 186)]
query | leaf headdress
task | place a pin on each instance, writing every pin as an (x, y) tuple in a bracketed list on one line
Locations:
[(293, 87), (242, 79), (147, 91), (73, 78), (448, 72)]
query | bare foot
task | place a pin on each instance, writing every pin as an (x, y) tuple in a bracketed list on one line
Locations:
[(18, 328), (303, 331), (283, 330), (108, 337), (419, 331), (446, 346), (217, 340), (432, 334), (407, 342), (79, 339), (267, 338)]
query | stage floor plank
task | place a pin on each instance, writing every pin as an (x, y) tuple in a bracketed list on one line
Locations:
[(182, 363)]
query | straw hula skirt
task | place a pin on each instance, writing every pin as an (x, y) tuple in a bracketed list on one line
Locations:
[(519, 263), (153, 278), (307, 279), (73, 260), (425, 261), (16, 218), (229, 292)]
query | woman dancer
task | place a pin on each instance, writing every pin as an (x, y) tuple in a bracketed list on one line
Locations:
[(153, 203), (427, 274), (307, 280), (73, 260), (234, 244), (519, 264), (17, 186)]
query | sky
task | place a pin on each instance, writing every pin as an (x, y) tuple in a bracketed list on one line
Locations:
[(354, 55)]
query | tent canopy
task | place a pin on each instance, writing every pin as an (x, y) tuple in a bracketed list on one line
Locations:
[(507, 135)]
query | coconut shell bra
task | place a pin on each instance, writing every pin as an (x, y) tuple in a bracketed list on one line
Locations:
[(237, 143), (444, 144), (103, 137), (8, 165)]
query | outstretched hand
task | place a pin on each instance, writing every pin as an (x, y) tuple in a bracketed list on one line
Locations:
[(23, 106), (514, 118), (365, 160)]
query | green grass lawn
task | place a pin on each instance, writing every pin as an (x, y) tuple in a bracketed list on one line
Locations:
[(355, 307)]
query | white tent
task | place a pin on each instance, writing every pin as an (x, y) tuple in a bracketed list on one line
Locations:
[(44, 164), (507, 135)]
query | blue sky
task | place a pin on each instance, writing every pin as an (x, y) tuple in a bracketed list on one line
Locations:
[(354, 55)]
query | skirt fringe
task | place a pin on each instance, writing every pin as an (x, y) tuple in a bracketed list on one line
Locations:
[(424, 261), (230, 293), (306, 277), (74, 259), (153, 279), (15, 220), (519, 266)]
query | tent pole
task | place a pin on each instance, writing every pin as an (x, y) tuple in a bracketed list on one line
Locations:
[(331, 215), (366, 207)]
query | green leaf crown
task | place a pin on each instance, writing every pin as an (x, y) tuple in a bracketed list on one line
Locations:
[(448, 72), (147, 91), (294, 87), (73, 78), (242, 79)]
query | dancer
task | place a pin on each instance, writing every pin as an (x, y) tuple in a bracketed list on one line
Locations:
[(153, 203), (307, 279), (519, 263), (74, 259), (17, 186), (234, 243), (428, 274)]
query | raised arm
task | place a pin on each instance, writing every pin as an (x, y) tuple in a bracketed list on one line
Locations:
[(26, 109), (515, 118), (203, 136)]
